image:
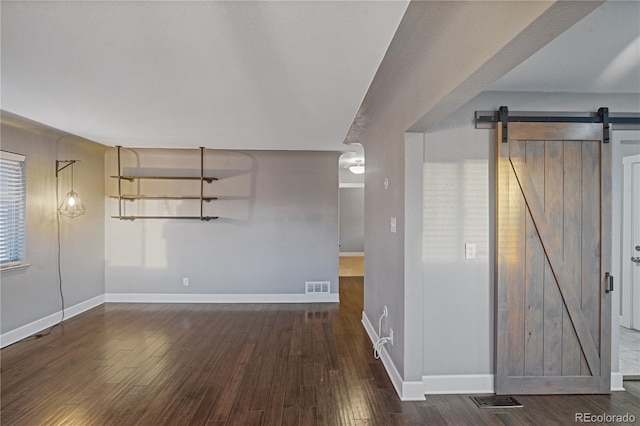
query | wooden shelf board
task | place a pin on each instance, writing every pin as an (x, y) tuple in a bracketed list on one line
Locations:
[(204, 218), (208, 179), (162, 197)]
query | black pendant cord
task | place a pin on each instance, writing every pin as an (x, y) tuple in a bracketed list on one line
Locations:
[(46, 333), (59, 252), (50, 329)]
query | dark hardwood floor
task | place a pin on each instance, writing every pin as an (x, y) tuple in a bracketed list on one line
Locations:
[(180, 364)]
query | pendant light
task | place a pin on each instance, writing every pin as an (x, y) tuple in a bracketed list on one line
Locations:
[(71, 205)]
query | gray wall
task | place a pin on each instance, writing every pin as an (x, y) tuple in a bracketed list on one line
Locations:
[(278, 224), (31, 293), (422, 80), (352, 220), (458, 208)]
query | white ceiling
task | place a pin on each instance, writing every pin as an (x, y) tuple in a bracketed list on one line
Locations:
[(241, 75), (250, 75), (599, 54)]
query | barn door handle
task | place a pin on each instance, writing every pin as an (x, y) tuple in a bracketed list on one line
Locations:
[(609, 278)]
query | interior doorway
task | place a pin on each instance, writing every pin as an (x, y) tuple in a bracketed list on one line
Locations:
[(351, 212), (630, 303), (351, 231), (629, 349)]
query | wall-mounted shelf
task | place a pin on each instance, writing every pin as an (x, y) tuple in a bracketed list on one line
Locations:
[(205, 218), (133, 197), (130, 197), (207, 179)]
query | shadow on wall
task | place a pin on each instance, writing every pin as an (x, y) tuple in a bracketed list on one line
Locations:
[(277, 226), (455, 209), (232, 196)]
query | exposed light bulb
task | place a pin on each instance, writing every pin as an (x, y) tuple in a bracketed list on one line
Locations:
[(72, 205), (357, 170)]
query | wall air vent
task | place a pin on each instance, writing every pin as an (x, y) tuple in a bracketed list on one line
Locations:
[(317, 287)]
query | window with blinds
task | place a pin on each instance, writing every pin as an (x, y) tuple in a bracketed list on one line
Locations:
[(12, 209)]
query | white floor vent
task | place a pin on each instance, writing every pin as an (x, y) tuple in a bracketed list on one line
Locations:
[(317, 287)]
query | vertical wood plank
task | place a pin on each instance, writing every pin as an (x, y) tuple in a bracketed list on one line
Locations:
[(516, 273), (591, 238), (605, 266), (502, 261), (572, 218), (534, 279), (553, 196)]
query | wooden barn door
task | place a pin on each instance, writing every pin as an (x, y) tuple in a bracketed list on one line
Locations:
[(553, 308)]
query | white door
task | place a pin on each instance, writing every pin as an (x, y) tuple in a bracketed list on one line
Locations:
[(631, 242)]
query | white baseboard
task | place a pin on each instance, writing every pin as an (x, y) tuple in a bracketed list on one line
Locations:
[(220, 298), (480, 383), (407, 391), (412, 391), (616, 382), (27, 330), (458, 383), (351, 253)]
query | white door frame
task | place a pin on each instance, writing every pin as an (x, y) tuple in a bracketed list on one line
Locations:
[(628, 318)]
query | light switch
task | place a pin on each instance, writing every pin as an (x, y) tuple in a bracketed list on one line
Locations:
[(392, 225), (470, 251)]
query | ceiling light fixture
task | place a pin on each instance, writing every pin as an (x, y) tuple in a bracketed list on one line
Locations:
[(357, 170), (358, 167)]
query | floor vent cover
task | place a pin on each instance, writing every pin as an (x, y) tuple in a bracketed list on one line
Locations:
[(496, 401)]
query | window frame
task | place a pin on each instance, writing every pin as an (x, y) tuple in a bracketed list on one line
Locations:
[(20, 261)]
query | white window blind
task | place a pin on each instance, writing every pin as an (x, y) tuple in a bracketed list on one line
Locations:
[(12, 209)]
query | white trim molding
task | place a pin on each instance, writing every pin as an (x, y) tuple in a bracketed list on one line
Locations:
[(27, 330), (458, 384), (350, 185), (351, 253), (616, 382), (480, 383), (407, 391), (221, 298)]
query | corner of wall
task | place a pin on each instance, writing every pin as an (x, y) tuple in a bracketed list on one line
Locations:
[(31, 295), (406, 390)]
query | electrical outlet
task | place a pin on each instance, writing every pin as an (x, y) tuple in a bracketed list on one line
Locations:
[(470, 251), (185, 281)]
